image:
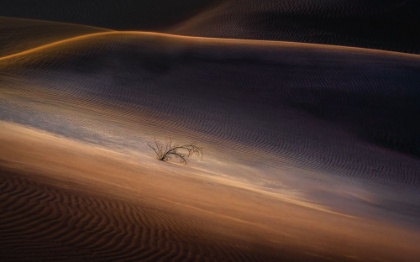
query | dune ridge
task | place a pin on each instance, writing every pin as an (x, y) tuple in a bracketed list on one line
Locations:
[(18, 34), (209, 40), (373, 24)]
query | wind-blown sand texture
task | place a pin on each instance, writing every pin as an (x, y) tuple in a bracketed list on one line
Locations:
[(67, 201), (310, 150)]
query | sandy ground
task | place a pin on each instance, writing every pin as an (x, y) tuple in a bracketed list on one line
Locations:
[(66, 200), (292, 170)]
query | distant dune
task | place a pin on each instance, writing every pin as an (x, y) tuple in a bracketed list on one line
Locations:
[(17, 34), (385, 24)]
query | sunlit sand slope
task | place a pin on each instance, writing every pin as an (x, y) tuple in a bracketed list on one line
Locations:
[(386, 24), (17, 34), (316, 105), (328, 125), (64, 200)]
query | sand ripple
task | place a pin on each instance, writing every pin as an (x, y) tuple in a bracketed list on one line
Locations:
[(344, 111), (55, 224)]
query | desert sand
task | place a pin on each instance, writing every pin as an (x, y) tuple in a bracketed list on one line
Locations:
[(70, 201), (310, 150)]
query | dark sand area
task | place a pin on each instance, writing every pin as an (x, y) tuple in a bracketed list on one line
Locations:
[(385, 24)]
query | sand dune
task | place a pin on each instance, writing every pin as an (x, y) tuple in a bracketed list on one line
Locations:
[(311, 150), (54, 224), (170, 76), (18, 35), (65, 200), (388, 24)]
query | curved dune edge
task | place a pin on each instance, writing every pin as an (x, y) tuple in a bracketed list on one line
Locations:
[(351, 23), (20, 34), (229, 41)]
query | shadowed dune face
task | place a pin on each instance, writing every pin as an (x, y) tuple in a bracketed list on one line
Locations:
[(386, 24), (382, 24)]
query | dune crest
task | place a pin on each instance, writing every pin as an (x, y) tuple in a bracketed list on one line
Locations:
[(370, 24), (18, 34), (199, 40)]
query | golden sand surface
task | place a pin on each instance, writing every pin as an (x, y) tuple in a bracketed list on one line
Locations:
[(63, 198), (66, 42)]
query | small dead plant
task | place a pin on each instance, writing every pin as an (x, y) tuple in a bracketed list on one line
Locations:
[(169, 150)]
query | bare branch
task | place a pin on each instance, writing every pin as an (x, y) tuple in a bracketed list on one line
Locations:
[(166, 151)]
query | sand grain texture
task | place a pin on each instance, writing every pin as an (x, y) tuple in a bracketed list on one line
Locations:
[(69, 209)]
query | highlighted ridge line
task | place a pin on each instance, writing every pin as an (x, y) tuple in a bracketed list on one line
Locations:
[(251, 42)]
